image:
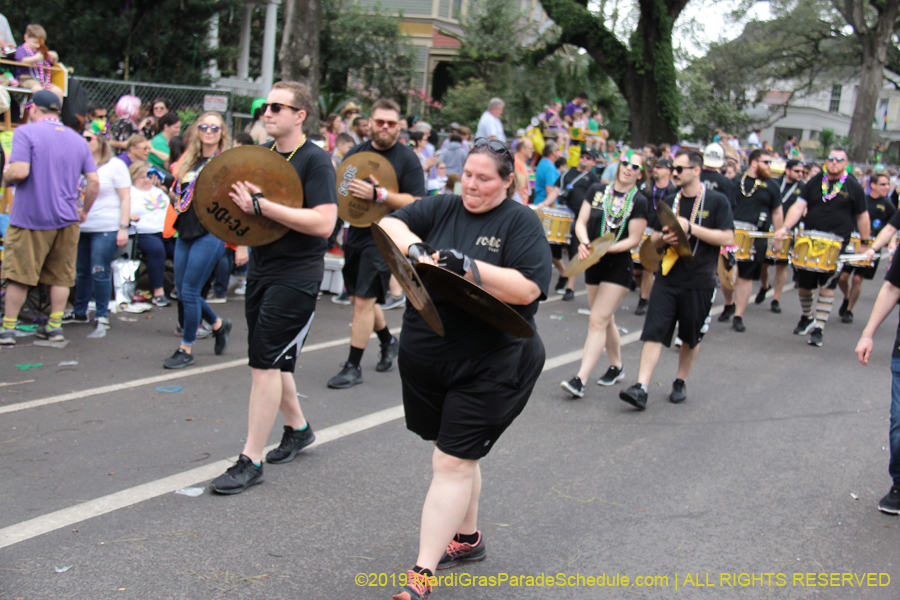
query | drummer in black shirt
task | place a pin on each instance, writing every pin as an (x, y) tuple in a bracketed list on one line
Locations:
[(282, 285), (658, 188), (464, 389), (682, 292), (758, 202), (789, 185), (836, 211), (621, 210), (366, 275)]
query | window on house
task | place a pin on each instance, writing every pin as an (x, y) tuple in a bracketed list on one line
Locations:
[(456, 11), (835, 104)]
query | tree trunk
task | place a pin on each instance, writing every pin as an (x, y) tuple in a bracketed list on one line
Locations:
[(299, 52)]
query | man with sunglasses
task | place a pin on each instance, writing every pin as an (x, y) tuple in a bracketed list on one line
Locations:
[(366, 275), (790, 185), (758, 202), (834, 203), (880, 212), (683, 292), (660, 187)]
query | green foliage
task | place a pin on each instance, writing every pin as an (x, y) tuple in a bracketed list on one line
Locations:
[(331, 102), (708, 105), (188, 116), (465, 102), (242, 104)]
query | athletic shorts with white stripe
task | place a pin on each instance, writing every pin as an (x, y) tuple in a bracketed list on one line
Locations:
[(279, 315)]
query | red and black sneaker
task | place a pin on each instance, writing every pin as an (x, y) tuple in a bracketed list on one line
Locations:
[(417, 587), (459, 552)]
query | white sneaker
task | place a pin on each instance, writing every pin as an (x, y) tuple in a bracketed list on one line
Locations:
[(241, 288), (103, 321)]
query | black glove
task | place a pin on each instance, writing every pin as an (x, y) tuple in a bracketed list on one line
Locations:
[(419, 249), (455, 261)]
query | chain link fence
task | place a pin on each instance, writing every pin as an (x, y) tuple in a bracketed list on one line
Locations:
[(188, 101)]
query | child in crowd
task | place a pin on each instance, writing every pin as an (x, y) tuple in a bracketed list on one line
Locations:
[(36, 75), (436, 184), (342, 143)]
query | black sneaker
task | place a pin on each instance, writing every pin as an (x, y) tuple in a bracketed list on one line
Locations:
[(347, 378), (635, 396), (71, 317), (388, 354), (574, 386), (292, 442), (843, 307), (161, 301), (238, 477), (8, 337), (459, 552), (738, 324), (776, 307), (641, 308), (804, 326), (679, 390), (569, 295), (221, 335), (612, 375), (890, 504), (848, 317), (561, 285), (727, 313), (761, 296), (179, 360), (815, 338), (54, 334)]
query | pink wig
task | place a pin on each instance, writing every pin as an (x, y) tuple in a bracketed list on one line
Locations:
[(128, 107)]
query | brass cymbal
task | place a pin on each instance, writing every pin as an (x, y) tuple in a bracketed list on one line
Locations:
[(260, 166), (668, 219), (467, 296), (599, 247), (363, 212), (407, 278), (727, 277), (651, 256)]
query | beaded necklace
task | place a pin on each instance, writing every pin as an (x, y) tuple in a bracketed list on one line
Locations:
[(302, 141), (615, 216), (40, 67), (186, 195), (757, 183), (837, 187), (696, 210)]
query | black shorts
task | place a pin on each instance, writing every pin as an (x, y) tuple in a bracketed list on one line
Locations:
[(865, 272), (810, 280), (466, 405), (749, 269), (571, 249), (668, 305), (620, 272), (366, 275), (279, 315)]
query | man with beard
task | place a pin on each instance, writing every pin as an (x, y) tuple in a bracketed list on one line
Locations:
[(833, 203), (659, 189), (366, 275), (758, 203), (789, 184), (713, 159), (360, 130)]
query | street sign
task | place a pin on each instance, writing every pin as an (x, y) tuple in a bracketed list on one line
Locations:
[(216, 103)]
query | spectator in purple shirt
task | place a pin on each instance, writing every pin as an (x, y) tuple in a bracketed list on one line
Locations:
[(577, 104)]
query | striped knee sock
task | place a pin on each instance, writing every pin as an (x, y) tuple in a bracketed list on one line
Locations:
[(9, 323), (823, 309), (55, 320), (806, 303)]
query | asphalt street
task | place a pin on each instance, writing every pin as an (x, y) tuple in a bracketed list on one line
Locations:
[(764, 484)]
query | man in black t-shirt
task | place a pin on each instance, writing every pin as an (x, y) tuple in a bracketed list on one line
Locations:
[(880, 212), (573, 186), (282, 285), (711, 176), (887, 299), (366, 275), (682, 292), (835, 211), (789, 186), (758, 202), (660, 187)]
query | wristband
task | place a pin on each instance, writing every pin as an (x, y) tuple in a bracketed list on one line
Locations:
[(380, 195), (419, 249), (124, 226), (454, 260), (255, 197)]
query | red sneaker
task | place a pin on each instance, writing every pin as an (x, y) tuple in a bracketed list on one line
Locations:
[(416, 588), (457, 552)]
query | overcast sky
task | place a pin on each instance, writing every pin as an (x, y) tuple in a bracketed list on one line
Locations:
[(714, 24)]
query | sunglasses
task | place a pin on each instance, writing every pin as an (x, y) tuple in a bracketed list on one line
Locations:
[(212, 128), (276, 107), (836, 159), (680, 169), (495, 147), (90, 137), (766, 162), (381, 123), (632, 165)]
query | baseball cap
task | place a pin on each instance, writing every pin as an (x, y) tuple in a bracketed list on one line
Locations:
[(257, 102), (47, 100), (714, 156), (591, 154), (665, 163)]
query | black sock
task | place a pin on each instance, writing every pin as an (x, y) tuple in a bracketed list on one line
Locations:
[(355, 356), (423, 571), (467, 539), (384, 336)]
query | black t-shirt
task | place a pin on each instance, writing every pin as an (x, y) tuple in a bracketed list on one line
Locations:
[(713, 180), (595, 221), (510, 235), (187, 224), (893, 277), (299, 256), (654, 194), (838, 215), (789, 192), (573, 193), (894, 221), (756, 209), (410, 179), (700, 275), (881, 212)]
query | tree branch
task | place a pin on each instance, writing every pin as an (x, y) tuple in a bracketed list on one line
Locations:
[(583, 29)]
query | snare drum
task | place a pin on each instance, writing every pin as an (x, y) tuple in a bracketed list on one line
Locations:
[(745, 251), (784, 253), (636, 253), (557, 224), (816, 251), (855, 246)]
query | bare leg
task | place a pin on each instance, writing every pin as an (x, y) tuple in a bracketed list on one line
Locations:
[(290, 405), (395, 288), (649, 358), (728, 295), (742, 292), (780, 279), (844, 284), (265, 398), (646, 284), (470, 523), (364, 317), (558, 263), (686, 358), (16, 294), (855, 290), (613, 346), (764, 276), (58, 298), (448, 503), (606, 301)]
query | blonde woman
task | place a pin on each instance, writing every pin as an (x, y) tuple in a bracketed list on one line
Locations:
[(196, 250)]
